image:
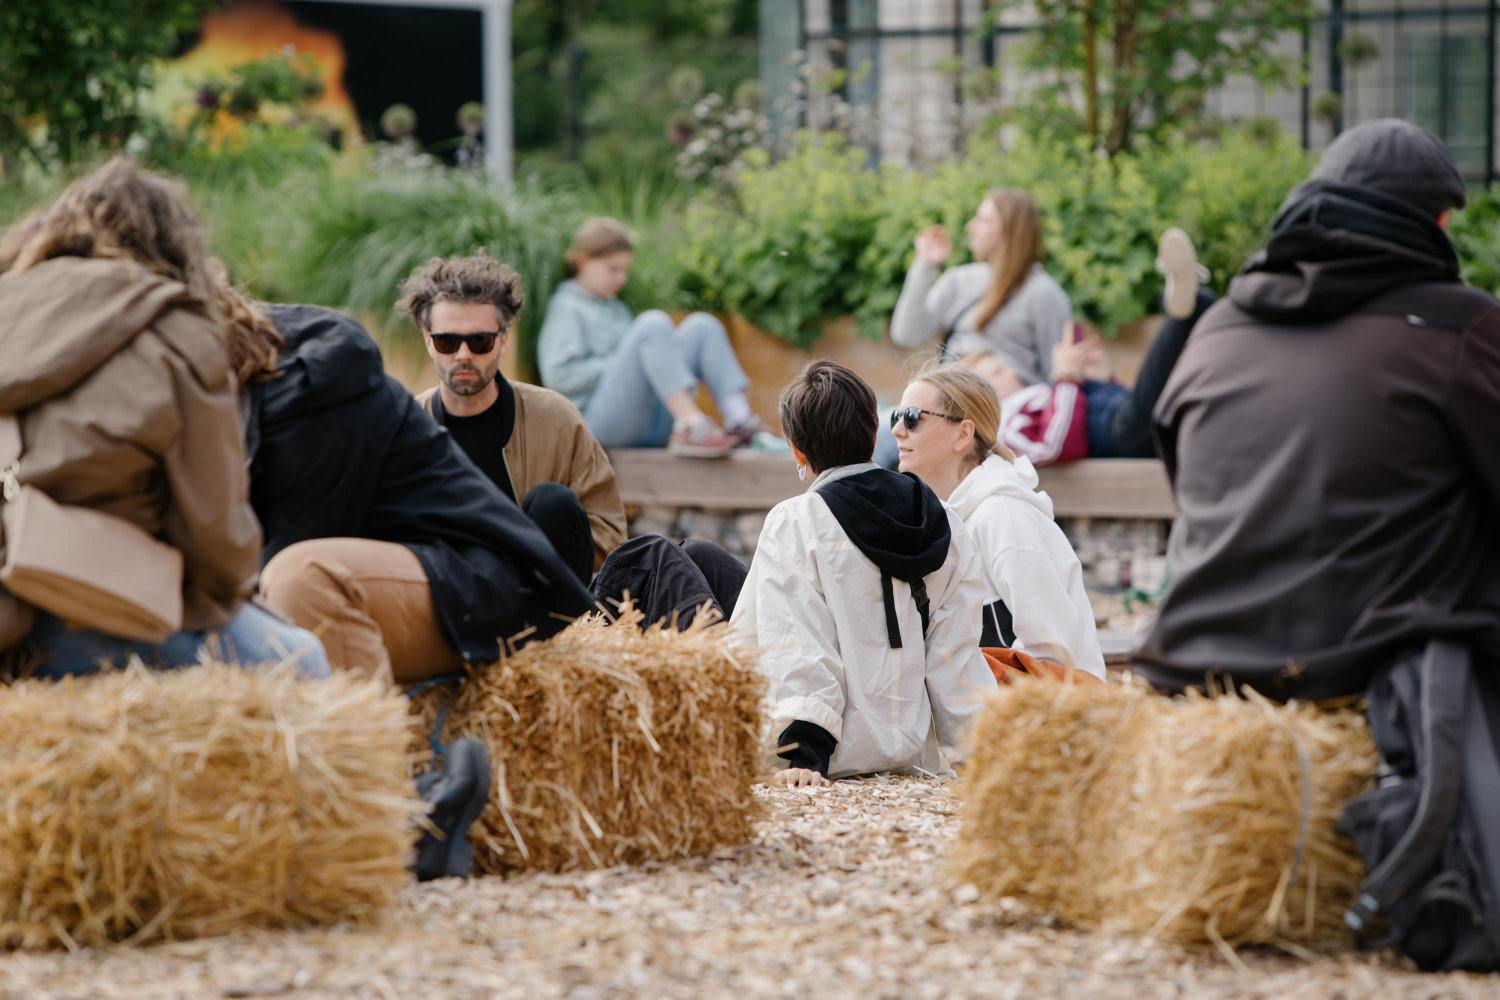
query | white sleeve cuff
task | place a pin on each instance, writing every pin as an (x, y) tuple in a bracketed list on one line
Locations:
[(789, 710)]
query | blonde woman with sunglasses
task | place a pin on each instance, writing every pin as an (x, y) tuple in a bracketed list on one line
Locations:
[(1035, 602)]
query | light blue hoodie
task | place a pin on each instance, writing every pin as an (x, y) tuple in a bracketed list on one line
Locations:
[(578, 340)]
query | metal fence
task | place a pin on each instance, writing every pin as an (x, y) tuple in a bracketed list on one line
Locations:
[(1432, 62)]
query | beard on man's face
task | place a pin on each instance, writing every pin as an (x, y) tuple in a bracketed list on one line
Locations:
[(467, 386)]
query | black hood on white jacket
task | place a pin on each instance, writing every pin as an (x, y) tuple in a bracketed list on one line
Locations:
[(893, 518), (899, 524)]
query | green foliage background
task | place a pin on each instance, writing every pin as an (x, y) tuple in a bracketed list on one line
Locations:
[(77, 68)]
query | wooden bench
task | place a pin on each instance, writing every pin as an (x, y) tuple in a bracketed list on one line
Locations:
[(749, 480)]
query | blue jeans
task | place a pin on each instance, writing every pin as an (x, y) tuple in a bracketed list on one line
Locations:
[(253, 636), (1102, 400), (653, 362)]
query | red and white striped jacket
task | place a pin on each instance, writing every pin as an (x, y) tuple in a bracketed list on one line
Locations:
[(1046, 422)]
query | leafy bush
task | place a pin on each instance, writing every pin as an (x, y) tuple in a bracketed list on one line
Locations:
[(784, 256), (1476, 234), (363, 233), (1229, 194)]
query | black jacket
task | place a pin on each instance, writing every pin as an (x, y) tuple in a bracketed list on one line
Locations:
[(340, 449), (1329, 434)]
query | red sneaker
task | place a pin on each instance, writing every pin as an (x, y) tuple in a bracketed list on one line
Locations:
[(757, 435), (700, 438)]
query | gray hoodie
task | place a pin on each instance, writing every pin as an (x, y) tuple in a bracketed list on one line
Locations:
[(1022, 332)]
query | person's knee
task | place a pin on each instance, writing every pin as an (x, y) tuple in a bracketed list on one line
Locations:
[(557, 510), (300, 578), (650, 328), (551, 497), (702, 324)]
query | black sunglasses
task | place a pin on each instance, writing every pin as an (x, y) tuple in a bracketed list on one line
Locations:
[(912, 414), (479, 343)]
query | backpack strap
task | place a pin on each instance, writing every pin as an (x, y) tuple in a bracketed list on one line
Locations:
[(919, 594), (1443, 687)]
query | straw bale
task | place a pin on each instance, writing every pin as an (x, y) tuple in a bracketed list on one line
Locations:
[(611, 746), (137, 805), (1122, 810)]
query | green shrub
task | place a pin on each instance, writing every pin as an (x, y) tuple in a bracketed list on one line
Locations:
[(363, 233), (1476, 234), (1231, 193), (249, 193), (784, 256)]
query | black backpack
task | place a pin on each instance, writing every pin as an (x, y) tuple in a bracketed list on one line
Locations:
[(1430, 832)]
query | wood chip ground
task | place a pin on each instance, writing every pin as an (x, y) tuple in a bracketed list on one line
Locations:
[(841, 894)]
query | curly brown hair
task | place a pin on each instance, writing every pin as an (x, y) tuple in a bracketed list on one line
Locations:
[(121, 212), (479, 278)]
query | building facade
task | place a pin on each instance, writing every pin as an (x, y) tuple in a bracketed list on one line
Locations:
[(910, 78)]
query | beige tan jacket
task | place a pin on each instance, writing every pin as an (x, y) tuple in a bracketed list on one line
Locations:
[(552, 444), (127, 405)]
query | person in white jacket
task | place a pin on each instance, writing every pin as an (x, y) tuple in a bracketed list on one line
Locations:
[(863, 599), (946, 430)]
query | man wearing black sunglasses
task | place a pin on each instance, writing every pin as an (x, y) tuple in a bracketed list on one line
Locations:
[(530, 441)]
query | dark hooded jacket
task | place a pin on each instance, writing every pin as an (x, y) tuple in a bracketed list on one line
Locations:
[(340, 449), (1329, 434)]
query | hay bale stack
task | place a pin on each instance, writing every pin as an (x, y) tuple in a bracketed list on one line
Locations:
[(1121, 810), (611, 746), (137, 805)]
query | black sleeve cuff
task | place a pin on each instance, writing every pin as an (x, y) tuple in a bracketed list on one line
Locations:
[(814, 747)]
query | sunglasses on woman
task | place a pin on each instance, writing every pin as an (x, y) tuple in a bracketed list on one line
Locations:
[(912, 414), (479, 343)]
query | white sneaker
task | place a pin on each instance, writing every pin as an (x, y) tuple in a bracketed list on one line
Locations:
[(1178, 261)]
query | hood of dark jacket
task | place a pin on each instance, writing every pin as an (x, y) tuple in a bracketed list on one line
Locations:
[(66, 317), (328, 360), (1334, 247), (893, 518)]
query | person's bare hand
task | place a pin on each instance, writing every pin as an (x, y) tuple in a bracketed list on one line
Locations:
[(799, 777), (933, 245), (1068, 360), (1096, 363)]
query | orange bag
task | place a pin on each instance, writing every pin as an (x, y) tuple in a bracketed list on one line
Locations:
[(1007, 664)]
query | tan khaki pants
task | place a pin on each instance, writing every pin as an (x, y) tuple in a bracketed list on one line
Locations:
[(368, 601)]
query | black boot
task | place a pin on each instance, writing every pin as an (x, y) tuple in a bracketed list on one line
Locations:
[(457, 794)]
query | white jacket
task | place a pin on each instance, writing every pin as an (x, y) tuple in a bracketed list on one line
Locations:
[(812, 604), (1028, 563)]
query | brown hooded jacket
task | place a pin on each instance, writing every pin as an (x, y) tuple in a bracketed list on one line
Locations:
[(128, 406)]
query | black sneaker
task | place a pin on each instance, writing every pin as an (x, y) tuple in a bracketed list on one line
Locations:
[(457, 794)]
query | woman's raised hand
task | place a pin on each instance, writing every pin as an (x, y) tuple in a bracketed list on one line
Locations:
[(933, 245)]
